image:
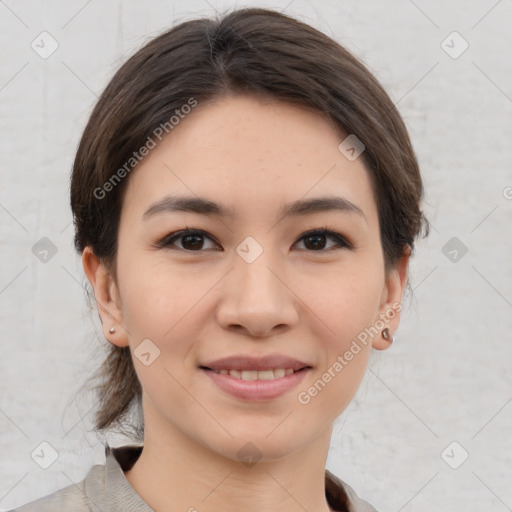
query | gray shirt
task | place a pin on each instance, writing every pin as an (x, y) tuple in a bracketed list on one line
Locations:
[(106, 489)]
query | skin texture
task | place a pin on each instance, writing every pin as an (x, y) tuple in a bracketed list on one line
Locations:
[(202, 304)]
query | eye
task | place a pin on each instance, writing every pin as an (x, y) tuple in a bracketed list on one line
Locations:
[(315, 240), (192, 240)]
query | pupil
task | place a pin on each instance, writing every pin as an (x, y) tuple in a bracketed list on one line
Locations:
[(319, 239), (194, 244)]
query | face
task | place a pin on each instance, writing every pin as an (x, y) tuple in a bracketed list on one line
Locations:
[(248, 280)]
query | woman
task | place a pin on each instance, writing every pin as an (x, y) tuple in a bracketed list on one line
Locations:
[(246, 200)]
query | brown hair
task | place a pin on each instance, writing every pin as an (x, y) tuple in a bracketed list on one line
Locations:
[(247, 51)]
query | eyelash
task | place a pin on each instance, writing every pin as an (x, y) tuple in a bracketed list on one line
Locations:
[(341, 241)]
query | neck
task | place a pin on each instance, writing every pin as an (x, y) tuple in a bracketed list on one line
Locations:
[(174, 472)]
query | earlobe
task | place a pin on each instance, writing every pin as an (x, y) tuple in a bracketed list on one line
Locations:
[(391, 304), (107, 298)]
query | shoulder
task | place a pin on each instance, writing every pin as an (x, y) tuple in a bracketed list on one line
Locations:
[(73, 498), (104, 488)]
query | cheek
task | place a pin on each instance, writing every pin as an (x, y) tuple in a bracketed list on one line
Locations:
[(346, 299), (347, 309), (156, 295), (350, 313), (162, 312)]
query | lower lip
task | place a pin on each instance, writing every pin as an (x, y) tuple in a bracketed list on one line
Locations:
[(256, 389)]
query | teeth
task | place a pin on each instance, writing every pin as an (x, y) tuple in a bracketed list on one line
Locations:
[(278, 373)]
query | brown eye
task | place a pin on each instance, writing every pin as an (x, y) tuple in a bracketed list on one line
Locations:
[(194, 240), (191, 240), (316, 240)]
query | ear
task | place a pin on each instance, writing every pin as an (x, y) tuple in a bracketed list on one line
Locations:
[(391, 300), (107, 298)]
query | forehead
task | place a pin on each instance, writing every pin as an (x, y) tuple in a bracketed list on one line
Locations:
[(253, 156)]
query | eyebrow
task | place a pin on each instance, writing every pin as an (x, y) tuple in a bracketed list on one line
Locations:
[(202, 206)]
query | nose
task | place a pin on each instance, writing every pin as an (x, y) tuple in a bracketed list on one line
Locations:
[(257, 298)]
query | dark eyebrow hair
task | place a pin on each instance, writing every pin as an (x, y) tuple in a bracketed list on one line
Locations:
[(170, 204)]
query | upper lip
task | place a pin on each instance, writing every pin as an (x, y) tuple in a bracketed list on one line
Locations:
[(245, 362)]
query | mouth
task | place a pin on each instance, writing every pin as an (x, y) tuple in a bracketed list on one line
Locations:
[(268, 374), (256, 378), (255, 386)]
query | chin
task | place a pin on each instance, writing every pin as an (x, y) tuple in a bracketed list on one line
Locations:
[(258, 446)]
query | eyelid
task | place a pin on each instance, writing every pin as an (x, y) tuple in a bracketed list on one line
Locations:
[(342, 241), (165, 242)]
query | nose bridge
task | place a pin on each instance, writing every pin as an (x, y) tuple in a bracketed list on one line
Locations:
[(255, 268), (256, 295)]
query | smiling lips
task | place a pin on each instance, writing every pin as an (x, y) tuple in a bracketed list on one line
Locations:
[(277, 373), (245, 363), (256, 378)]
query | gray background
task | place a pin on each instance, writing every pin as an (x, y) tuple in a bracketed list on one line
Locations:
[(448, 376)]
